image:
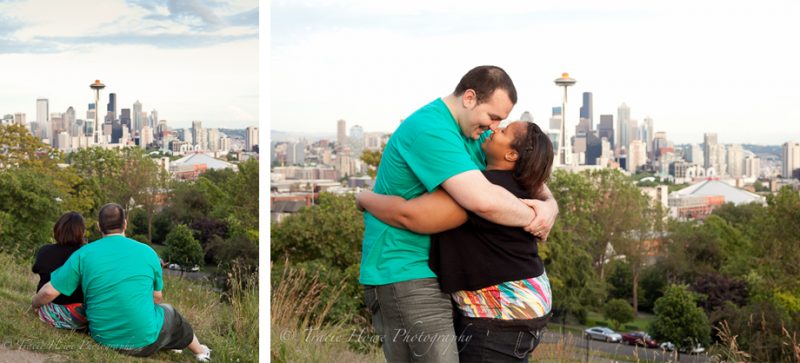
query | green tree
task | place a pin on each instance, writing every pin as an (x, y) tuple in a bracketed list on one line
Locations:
[(679, 319), (619, 312), (29, 206), (182, 248), (18, 148)]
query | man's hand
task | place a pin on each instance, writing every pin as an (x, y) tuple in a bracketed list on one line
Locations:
[(45, 295), (544, 219)]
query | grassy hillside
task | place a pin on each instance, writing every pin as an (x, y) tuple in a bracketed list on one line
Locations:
[(227, 324)]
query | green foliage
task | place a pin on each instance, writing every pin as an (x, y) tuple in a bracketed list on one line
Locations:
[(619, 312), (621, 280), (182, 248), (28, 209), (652, 286), (679, 319)]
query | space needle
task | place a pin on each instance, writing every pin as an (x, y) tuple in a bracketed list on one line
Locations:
[(97, 86), (564, 148)]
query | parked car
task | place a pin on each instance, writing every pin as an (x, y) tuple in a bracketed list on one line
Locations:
[(603, 333), (639, 338), (174, 266), (692, 349), (668, 346), (195, 268)]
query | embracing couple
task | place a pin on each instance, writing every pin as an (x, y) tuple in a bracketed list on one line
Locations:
[(112, 287), (450, 264)]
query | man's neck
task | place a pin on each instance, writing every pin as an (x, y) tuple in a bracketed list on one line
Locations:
[(114, 234), (451, 101)]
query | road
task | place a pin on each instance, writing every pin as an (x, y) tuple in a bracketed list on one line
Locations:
[(621, 349)]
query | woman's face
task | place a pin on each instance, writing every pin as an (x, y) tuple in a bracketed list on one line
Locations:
[(498, 144)]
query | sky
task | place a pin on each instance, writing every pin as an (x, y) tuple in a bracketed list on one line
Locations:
[(730, 67), (191, 60)]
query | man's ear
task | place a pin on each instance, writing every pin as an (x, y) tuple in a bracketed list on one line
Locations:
[(469, 99), (124, 225), (511, 156)]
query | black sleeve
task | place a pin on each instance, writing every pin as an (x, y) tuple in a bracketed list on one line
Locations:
[(36, 268)]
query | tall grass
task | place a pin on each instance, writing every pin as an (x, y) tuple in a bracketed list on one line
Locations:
[(229, 326), (298, 329)]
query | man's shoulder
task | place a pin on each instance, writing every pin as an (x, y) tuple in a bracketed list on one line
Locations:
[(434, 115)]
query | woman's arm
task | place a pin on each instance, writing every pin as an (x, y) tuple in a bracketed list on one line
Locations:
[(429, 213)]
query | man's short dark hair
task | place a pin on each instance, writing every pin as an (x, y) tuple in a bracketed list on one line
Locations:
[(484, 80), (111, 218), (69, 229)]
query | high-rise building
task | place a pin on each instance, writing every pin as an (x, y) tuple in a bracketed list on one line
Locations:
[(356, 140), (526, 116), (709, 140), (584, 127), (735, 160), (111, 107), (606, 128), (43, 118), (633, 131), (659, 142), (647, 135), (125, 119), (791, 158), (250, 138), (695, 156), (623, 118), (752, 166), (372, 141), (587, 110), (198, 134), (594, 149), (341, 133), (145, 137), (19, 118), (138, 121), (213, 140), (296, 153), (637, 155), (153, 119), (56, 125)]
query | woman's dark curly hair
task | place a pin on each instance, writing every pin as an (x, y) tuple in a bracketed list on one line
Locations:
[(535, 161)]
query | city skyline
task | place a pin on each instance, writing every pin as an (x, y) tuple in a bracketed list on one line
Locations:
[(190, 61), (690, 67)]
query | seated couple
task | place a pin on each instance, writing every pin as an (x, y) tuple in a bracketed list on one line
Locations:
[(112, 287)]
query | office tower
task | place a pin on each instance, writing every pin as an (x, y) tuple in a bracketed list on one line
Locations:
[(633, 131), (213, 140), (647, 134), (69, 120), (296, 153), (695, 155), (138, 122), (659, 142), (637, 155), (186, 136), (623, 118), (341, 133), (584, 127), (555, 120), (153, 119), (19, 118), (526, 116), (125, 119), (111, 107), (43, 118), (63, 141), (735, 161), (752, 166), (594, 149), (372, 141), (606, 128), (709, 140), (56, 125), (224, 143), (251, 138), (791, 158), (587, 110), (719, 162), (198, 133), (356, 140), (145, 137)]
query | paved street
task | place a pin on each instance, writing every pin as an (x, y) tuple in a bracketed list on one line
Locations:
[(642, 353)]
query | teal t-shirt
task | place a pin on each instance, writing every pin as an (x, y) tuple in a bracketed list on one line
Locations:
[(118, 276), (425, 150)]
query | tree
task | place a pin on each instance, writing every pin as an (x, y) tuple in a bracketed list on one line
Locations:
[(28, 208), (18, 148), (619, 312), (678, 318), (182, 248)]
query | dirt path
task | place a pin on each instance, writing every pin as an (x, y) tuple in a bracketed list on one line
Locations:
[(23, 356)]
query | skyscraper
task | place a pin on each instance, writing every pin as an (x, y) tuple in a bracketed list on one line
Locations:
[(43, 117), (791, 158), (637, 155), (341, 133), (623, 118), (19, 118), (709, 140), (606, 128), (125, 119), (213, 140), (647, 135), (138, 121), (555, 120), (356, 140), (735, 160), (250, 138), (198, 134), (69, 121), (112, 107), (587, 110), (659, 142), (153, 119), (752, 166)]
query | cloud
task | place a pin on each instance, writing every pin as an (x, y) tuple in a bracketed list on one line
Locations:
[(157, 40), (245, 18)]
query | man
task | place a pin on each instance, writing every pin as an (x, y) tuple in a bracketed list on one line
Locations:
[(438, 145), (122, 282)]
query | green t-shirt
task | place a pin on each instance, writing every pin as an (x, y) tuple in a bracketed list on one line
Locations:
[(118, 276), (425, 150)]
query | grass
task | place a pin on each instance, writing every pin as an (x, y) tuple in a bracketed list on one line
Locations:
[(227, 324)]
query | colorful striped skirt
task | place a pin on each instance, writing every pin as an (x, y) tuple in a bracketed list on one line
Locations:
[(72, 316)]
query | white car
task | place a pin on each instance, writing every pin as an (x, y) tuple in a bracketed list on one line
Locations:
[(603, 333), (174, 266), (195, 268), (668, 346), (696, 349)]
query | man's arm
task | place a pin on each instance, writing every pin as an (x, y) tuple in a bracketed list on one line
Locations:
[(546, 209), (427, 214), (474, 192), (157, 297), (45, 295)]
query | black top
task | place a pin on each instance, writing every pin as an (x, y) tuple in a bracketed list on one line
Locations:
[(49, 258), (480, 253)]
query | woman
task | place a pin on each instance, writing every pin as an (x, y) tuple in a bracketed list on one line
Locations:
[(493, 272), (65, 312)]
